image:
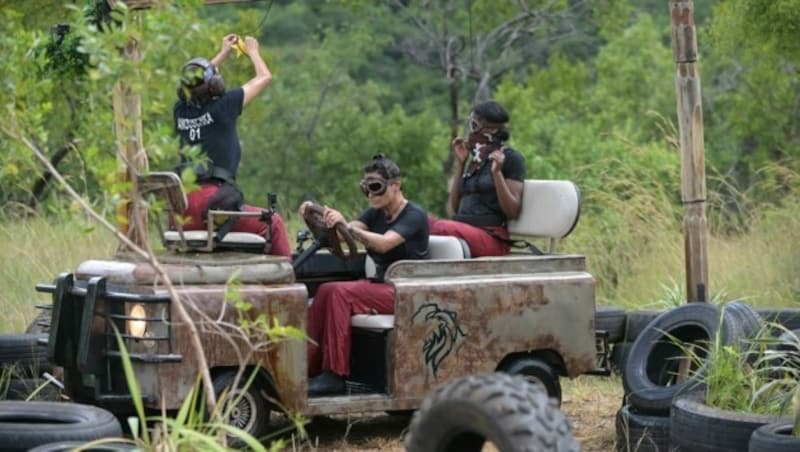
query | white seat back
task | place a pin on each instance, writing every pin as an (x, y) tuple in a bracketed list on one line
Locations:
[(439, 247), (550, 209)]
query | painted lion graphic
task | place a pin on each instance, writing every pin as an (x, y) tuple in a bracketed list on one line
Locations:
[(443, 337)]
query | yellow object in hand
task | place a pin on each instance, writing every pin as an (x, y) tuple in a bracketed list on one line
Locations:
[(239, 46)]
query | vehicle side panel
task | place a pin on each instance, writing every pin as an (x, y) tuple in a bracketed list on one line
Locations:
[(451, 326)]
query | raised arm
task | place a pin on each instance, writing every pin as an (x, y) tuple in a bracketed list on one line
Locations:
[(227, 44), (509, 191), (459, 159), (263, 75)]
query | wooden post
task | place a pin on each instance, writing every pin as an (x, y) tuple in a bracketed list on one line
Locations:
[(131, 218), (693, 173)]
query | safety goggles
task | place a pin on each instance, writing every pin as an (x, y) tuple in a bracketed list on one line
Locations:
[(374, 187), (474, 124)]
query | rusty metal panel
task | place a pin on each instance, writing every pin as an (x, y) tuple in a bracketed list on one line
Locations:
[(447, 326), (190, 268), (518, 265), (284, 361)]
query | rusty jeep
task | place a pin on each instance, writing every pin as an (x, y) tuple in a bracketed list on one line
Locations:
[(525, 313)]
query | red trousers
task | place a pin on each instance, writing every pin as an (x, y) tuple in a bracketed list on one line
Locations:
[(480, 242), (329, 321), (198, 201)]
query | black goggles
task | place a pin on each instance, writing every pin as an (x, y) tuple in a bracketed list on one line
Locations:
[(374, 187)]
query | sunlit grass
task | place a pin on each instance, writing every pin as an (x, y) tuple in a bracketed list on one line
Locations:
[(35, 251)]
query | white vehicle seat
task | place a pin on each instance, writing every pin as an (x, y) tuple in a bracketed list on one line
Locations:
[(550, 209), (167, 187), (439, 247)]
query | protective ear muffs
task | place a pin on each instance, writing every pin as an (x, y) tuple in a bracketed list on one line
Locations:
[(213, 82)]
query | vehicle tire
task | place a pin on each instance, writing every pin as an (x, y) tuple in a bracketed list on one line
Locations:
[(22, 388), (508, 411), (537, 371), (610, 319), (636, 321), (250, 411), (23, 354), (650, 372), (638, 432), (25, 425), (695, 426), (775, 437), (67, 446), (41, 323)]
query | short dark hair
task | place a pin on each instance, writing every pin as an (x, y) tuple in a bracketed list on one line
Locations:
[(383, 166), (492, 111)]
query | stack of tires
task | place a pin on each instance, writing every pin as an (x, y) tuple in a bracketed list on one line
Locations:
[(23, 362), (666, 360)]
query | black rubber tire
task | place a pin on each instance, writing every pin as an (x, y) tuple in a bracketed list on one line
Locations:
[(537, 371), (22, 388), (508, 411), (695, 426), (251, 412), (619, 356), (636, 321), (25, 425), (788, 317), (649, 376), (67, 446), (748, 320), (40, 324), (775, 437), (639, 432), (610, 319), (23, 354)]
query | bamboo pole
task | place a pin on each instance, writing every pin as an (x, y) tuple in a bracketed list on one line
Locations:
[(690, 123)]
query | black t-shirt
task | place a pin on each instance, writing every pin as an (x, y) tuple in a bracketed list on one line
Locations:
[(411, 224), (213, 127), (478, 196)]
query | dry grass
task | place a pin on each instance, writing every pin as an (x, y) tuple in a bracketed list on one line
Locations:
[(589, 402)]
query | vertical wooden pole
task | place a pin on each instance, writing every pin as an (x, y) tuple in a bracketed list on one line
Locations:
[(132, 220), (693, 173)]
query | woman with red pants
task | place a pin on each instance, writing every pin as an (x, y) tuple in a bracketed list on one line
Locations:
[(391, 229), (485, 191), (205, 115)]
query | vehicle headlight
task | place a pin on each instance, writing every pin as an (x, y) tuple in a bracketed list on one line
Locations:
[(137, 325)]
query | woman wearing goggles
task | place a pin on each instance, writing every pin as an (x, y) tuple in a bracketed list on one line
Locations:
[(486, 189), (390, 229)]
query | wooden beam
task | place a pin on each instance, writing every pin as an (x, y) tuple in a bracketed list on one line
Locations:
[(690, 124), (144, 4)]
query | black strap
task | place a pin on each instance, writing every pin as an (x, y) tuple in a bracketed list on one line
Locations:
[(517, 243)]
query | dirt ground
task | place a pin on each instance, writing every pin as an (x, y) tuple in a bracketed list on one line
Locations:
[(590, 403)]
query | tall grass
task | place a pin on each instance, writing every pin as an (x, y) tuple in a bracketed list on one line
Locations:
[(36, 250), (632, 237), (630, 232)]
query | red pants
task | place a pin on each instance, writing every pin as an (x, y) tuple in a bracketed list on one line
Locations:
[(329, 321), (480, 242), (198, 201)]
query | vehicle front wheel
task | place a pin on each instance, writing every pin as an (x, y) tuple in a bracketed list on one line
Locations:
[(537, 371), (242, 406)]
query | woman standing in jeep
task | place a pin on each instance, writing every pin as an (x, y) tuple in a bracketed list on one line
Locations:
[(391, 229), (205, 115), (485, 192)]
